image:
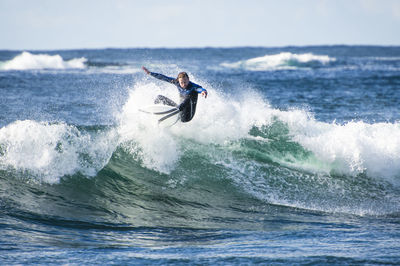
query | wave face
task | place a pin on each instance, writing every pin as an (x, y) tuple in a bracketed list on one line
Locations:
[(26, 61), (284, 60), (285, 158)]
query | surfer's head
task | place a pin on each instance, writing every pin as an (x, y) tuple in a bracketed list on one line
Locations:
[(183, 79)]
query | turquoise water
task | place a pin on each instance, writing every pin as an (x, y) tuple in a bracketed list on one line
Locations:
[(292, 159)]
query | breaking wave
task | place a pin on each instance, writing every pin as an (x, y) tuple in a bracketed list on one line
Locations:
[(284, 60), (27, 61), (285, 158)]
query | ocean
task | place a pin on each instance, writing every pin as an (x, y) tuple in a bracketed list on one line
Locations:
[(293, 158)]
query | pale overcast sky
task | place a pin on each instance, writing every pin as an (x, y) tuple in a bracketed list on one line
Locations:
[(70, 24)]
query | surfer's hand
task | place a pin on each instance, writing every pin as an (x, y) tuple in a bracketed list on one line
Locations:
[(145, 70), (204, 93)]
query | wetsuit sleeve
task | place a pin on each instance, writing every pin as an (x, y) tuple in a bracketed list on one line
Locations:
[(198, 88), (201, 90), (162, 77)]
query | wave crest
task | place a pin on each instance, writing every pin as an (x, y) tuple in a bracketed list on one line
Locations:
[(284, 60), (50, 151), (26, 61)]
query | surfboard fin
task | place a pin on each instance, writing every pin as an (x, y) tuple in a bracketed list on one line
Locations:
[(160, 113), (169, 115)]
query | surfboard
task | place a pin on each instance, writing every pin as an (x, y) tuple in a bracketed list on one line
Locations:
[(166, 115)]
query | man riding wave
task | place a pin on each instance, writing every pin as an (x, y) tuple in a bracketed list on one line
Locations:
[(188, 92)]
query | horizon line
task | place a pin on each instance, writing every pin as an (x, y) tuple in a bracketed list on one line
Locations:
[(196, 47)]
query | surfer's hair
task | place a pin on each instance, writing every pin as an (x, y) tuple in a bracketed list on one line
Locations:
[(182, 75)]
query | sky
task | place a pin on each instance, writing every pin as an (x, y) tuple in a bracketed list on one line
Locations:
[(74, 24)]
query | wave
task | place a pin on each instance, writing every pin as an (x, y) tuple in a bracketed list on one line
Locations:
[(285, 158), (284, 60), (49, 151), (349, 148), (27, 61), (281, 157)]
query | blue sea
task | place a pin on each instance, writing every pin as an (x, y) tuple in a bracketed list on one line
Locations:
[(293, 158)]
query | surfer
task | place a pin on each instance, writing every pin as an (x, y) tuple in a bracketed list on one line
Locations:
[(188, 92)]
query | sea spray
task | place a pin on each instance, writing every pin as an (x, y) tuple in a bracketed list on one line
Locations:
[(140, 135)]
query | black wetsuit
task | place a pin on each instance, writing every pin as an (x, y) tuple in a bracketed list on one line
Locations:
[(188, 97)]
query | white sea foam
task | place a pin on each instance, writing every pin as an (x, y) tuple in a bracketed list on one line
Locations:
[(284, 60), (140, 135), (217, 121), (50, 151), (353, 148), (350, 149), (26, 60)]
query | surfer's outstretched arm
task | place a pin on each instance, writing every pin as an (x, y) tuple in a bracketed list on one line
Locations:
[(158, 76)]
